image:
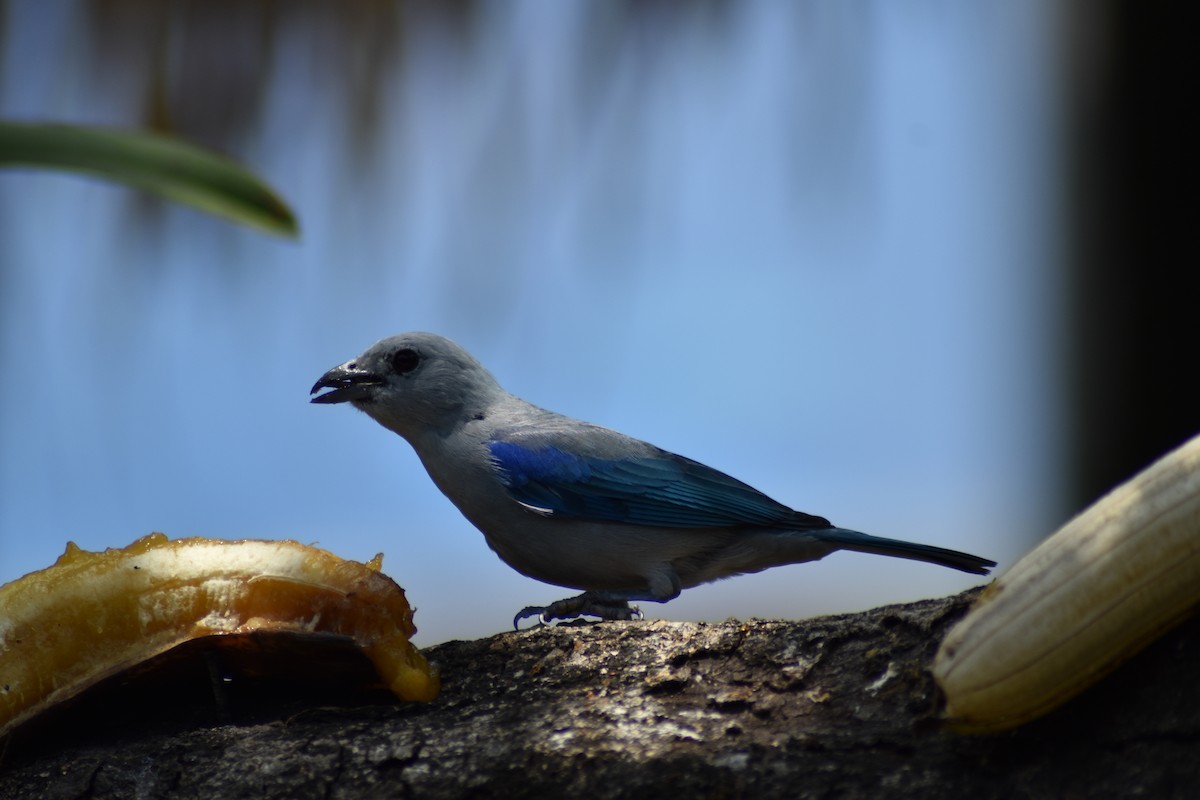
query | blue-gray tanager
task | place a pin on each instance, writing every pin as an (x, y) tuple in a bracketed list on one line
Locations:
[(578, 505)]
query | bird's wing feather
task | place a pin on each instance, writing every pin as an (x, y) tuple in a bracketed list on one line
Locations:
[(550, 473)]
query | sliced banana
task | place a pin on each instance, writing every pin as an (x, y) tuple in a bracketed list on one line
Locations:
[(1105, 585), (64, 628)]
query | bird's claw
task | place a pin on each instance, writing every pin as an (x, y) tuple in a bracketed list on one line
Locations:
[(531, 611), (583, 605)]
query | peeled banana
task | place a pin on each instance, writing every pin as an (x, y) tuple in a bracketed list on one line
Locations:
[(91, 615)]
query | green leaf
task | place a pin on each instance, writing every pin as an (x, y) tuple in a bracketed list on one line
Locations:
[(170, 167)]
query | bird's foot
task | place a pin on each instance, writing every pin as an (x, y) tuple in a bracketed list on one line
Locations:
[(587, 604)]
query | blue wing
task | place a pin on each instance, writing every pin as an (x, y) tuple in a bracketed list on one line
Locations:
[(659, 489)]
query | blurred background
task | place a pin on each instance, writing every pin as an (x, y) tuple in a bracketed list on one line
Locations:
[(913, 266)]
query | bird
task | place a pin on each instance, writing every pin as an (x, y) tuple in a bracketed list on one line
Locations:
[(578, 505)]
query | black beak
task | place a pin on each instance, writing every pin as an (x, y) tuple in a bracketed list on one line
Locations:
[(347, 382)]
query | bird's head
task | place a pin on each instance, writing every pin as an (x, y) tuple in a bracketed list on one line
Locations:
[(411, 383)]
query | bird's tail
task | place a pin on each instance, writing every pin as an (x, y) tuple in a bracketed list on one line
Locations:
[(865, 543)]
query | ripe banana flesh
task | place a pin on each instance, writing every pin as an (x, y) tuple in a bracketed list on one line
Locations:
[(65, 628)]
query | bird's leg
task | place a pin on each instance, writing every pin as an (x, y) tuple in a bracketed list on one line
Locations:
[(605, 605)]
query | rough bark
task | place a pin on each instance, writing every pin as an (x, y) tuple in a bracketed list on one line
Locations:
[(837, 706)]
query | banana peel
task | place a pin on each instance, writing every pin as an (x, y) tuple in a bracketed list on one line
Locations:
[(1109, 582)]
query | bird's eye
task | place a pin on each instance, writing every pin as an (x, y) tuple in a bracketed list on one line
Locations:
[(405, 360)]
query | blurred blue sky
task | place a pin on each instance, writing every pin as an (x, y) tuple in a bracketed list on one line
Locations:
[(815, 245)]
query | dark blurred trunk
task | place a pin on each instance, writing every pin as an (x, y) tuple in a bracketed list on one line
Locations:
[(1133, 281)]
